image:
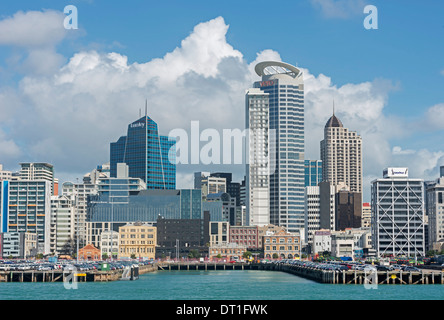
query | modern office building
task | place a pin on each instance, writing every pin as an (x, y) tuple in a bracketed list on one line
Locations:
[(257, 189), (313, 172), (5, 174), (38, 171), (149, 156), (319, 209), (398, 214), (228, 206), (212, 185), (63, 224), (232, 188), (80, 192), (285, 88), (341, 155), (28, 209), (435, 212), (142, 205), (348, 209), (18, 245), (177, 237)]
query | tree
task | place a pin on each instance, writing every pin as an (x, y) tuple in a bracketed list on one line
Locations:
[(247, 255), (194, 254)]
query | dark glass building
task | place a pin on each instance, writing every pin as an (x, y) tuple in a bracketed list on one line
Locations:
[(147, 155)]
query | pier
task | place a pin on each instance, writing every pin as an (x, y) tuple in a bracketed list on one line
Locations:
[(81, 276), (424, 276)]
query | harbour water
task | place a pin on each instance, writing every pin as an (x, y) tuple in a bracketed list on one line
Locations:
[(217, 285)]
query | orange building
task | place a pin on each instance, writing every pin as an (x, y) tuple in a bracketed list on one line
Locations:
[(89, 252)]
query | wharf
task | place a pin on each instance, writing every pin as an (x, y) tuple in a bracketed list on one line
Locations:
[(425, 276), (81, 276)]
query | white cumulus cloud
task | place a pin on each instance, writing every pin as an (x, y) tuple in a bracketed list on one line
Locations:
[(68, 114)]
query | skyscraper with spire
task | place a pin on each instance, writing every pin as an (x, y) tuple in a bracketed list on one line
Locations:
[(341, 155), (146, 153)]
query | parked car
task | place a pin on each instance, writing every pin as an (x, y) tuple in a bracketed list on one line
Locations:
[(383, 268), (411, 269)]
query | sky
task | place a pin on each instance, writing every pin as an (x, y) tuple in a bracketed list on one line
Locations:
[(65, 94)]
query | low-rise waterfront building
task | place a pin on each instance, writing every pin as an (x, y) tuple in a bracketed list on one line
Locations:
[(226, 251), (138, 240), (282, 245), (89, 253)]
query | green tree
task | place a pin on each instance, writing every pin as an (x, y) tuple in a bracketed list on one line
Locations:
[(247, 255), (194, 254)]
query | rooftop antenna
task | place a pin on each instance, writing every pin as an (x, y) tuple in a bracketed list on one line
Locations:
[(146, 107)]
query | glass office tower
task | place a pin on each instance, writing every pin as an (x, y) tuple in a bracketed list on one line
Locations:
[(147, 155), (313, 172), (285, 86)]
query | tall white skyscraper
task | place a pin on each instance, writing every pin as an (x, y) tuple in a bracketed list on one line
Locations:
[(341, 155), (257, 178), (284, 85)]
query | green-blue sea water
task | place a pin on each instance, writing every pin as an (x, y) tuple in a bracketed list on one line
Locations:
[(217, 285)]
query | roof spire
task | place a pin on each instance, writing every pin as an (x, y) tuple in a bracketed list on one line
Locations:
[(333, 106)]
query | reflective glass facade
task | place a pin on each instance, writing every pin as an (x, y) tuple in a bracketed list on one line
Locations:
[(313, 172), (144, 205), (147, 155)]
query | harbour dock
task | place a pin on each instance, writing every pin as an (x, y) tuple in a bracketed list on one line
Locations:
[(424, 276)]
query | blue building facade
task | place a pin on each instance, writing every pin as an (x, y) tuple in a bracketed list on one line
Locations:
[(147, 155), (145, 205), (313, 172)]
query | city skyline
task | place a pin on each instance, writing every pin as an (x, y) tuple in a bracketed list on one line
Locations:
[(94, 80)]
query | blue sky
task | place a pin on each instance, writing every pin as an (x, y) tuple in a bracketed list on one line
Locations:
[(403, 58)]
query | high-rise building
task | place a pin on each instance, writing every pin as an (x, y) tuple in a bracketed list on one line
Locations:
[(398, 218), (257, 189), (5, 174), (38, 171), (27, 208), (435, 212), (315, 218), (366, 215), (284, 85), (348, 208), (149, 156), (313, 172), (341, 155), (63, 223)]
